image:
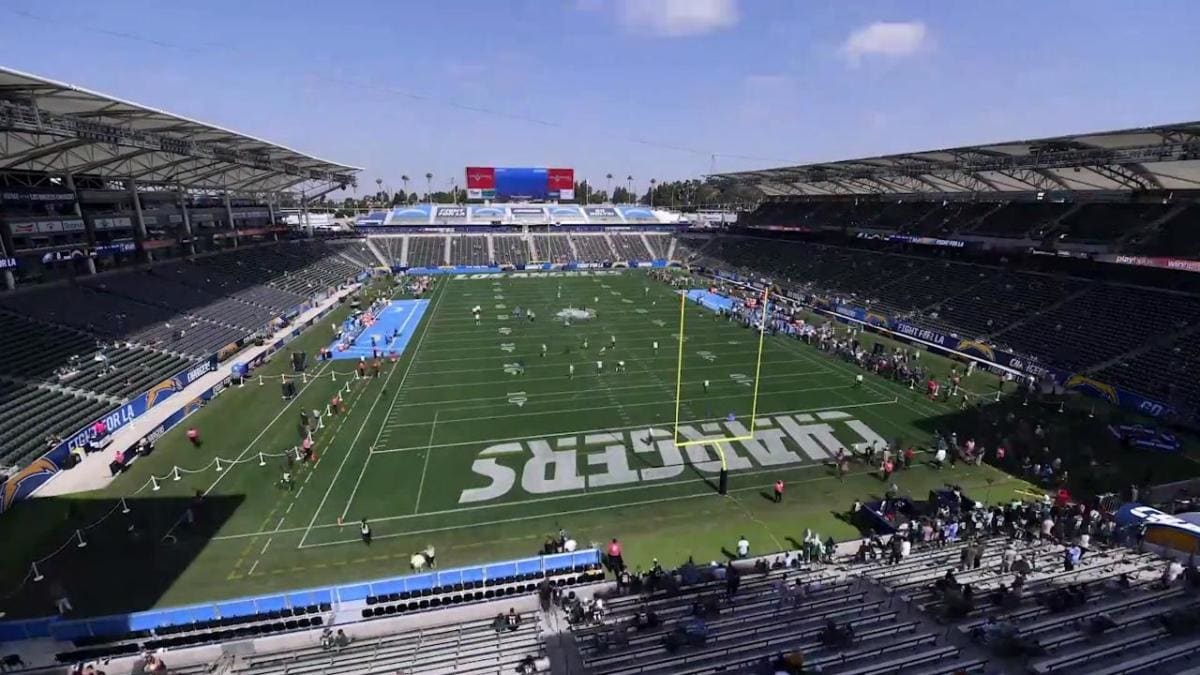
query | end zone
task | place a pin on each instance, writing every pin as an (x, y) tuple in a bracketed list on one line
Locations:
[(391, 329)]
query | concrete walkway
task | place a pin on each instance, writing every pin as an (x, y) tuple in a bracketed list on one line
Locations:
[(93, 472)]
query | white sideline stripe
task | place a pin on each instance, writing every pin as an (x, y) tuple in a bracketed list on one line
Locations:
[(253, 442), (537, 413), (367, 418)]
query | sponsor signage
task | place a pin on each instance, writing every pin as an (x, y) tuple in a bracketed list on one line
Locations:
[(20, 196), (8, 263), (447, 212), (1148, 261), (115, 247)]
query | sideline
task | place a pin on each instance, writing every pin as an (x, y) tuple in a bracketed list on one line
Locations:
[(93, 473)]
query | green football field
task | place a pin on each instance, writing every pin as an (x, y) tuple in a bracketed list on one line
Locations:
[(477, 443)]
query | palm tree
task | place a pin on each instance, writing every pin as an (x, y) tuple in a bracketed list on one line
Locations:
[(652, 183), (429, 186), (629, 188), (608, 186), (404, 179)]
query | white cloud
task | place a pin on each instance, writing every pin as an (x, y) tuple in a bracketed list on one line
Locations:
[(677, 18), (884, 38)]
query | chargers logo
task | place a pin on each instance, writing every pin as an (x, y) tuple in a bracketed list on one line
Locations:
[(42, 468), (1085, 383), (560, 179), (876, 319), (478, 177), (977, 347), (161, 391)]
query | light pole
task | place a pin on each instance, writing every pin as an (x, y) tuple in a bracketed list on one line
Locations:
[(629, 188), (407, 198), (608, 187), (652, 184), (429, 187)]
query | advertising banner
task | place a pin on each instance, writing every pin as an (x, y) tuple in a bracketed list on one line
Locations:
[(24, 482), (560, 183), (481, 182), (448, 213)]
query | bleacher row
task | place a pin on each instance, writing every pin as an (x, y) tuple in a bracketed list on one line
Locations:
[(471, 591), (473, 648), (771, 615), (514, 249), (1153, 228), (1111, 614), (74, 351), (1132, 336)]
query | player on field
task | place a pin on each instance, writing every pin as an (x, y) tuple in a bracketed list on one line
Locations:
[(543, 350), (571, 370), (706, 386), (612, 341), (620, 366), (599, 366), (654, 346)]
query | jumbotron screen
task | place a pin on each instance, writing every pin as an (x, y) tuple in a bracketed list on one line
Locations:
[(516, 183)]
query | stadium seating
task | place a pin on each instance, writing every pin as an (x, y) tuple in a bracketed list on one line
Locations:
[(426, 251), (76, 351), (1130, 334), (469, 250), (553, 248), (629, 247), (511, 249), (1115, 623), (593, 248), (391, 247), (701, 629), (469, 647)]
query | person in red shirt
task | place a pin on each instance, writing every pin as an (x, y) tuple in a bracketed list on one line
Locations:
[(909, 455), (193, 435), (615, 561), (779, 491)]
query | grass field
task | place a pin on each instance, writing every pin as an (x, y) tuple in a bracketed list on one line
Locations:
[(477, 443)]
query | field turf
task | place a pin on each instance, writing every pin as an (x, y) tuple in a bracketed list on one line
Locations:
[(477, 443)]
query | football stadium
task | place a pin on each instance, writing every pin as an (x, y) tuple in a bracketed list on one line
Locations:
[(931, 412)]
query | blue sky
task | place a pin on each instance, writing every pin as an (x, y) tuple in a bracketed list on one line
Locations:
[(652, 88)]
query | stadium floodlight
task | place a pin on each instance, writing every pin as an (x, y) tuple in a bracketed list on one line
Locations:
[(716, 441)]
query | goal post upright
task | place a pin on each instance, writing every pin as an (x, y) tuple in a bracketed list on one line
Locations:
[(717, 442)]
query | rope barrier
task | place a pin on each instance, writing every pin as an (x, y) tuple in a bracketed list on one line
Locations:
[(77, 539)]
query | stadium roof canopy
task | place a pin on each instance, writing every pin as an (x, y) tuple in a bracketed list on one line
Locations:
[(1152, 158), (57, 128)]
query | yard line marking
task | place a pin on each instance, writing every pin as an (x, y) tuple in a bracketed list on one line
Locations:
[(378, 398), (536, 413), (559, 497), (252, 568), (264, 548), (560, 378), (590, 509), (631, 428), (425, 468)]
